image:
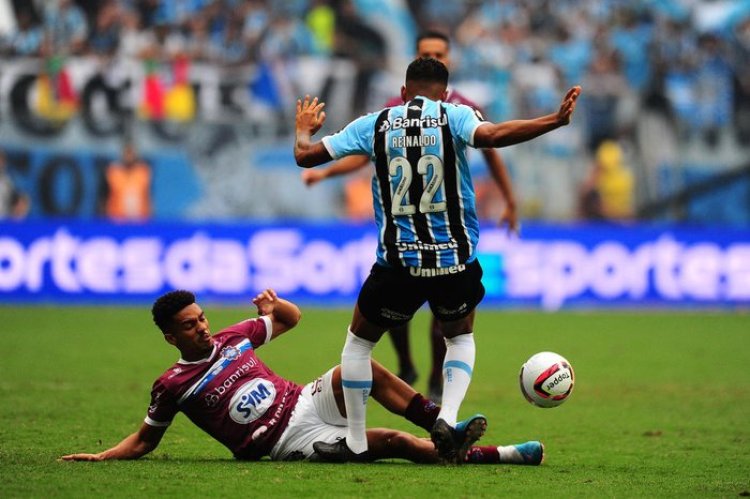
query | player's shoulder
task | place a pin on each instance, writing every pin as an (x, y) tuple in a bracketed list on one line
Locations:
[(456, 110), (172, 378), (236, 333)]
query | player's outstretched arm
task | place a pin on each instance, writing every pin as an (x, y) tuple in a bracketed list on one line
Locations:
[(513, 132), (284, 314), (310, 117), (133, 446), (345, 165)]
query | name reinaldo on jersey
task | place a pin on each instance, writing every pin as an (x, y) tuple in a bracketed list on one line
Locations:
[(413, 141)]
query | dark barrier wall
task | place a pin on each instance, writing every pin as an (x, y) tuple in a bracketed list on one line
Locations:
[(549, 267)]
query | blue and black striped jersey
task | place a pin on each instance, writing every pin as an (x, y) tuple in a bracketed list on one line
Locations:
[(422, 190)]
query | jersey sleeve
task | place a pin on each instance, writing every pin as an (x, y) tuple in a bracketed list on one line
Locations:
[(354, 138), (257, 330), (464, 122), (163, 406)]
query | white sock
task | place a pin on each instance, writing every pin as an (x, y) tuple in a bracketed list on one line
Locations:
[(356, 379), (508, 454), (457, 369)]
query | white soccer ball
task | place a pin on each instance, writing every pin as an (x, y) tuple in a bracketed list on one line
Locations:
[(546, 379)]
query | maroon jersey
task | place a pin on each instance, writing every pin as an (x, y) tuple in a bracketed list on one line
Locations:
[(454, 97), (231, 395)]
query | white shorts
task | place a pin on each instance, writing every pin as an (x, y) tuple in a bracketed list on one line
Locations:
[(315, 418)]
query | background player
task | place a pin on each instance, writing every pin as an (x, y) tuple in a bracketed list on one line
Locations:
[(428, 232), (433, 44), (225, 389)]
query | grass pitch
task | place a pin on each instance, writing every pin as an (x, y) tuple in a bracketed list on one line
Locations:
[(661, 408)]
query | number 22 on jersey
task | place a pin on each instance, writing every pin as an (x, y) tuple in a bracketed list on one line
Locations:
[(427, 202)]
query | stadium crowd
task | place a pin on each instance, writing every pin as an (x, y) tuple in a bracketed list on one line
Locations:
[(690, 56), (687, 61)]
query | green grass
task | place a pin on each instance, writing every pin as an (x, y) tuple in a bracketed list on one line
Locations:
[(661, 408)]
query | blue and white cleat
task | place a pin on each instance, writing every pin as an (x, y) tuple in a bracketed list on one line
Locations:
[(531, 453), (452, 444)]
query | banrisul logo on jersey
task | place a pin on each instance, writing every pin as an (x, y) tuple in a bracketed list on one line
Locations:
[(251, 401)]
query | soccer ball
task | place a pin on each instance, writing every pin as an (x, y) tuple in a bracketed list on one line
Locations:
[(546, 379)]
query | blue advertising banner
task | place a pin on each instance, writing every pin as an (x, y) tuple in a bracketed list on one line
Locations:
[(549, 267)]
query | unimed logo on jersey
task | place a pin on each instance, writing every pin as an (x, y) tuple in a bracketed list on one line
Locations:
[(251, 401)]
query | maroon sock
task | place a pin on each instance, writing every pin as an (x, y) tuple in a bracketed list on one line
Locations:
[(422, 412), (483, 454)]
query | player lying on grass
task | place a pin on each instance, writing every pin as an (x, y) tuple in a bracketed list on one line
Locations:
[(222, 386)]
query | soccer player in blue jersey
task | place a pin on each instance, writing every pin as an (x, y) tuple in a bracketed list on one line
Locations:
[(426, 217), (437, 45)]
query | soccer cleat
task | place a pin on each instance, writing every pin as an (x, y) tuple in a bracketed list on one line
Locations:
[(452, 444), (531, 452), (338, 452)]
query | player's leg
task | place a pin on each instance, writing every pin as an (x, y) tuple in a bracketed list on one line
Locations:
[(385, 300), (392, 393), (437, 342), (453, 301), (356, 377), (528, 453), (385, 443), (458, 365), (400, 339), (400, 398)]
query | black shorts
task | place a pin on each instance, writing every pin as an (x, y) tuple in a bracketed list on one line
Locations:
[(391, 295)]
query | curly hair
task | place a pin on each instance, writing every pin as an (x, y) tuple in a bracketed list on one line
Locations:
[(167, 305), (427, 70)]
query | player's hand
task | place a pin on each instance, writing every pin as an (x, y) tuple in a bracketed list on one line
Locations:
[(265, 301), (510, 219), (311, 176), (82, 457), (310, 115), (568, 105)]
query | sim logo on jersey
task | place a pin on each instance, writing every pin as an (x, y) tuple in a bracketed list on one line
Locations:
[(251, 401)]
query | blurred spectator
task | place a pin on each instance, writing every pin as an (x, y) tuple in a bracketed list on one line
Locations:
[(631, 38), (230, 48), (256, 21), (105, 34), (358, 196), (65, 25), (741, 65), (128, 187), (607, 192), (714, 88), (357, 41), (538, 81), (28, 38), (134, 40), (572, 55), (321, 21), (605, 88), (13, 203)]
